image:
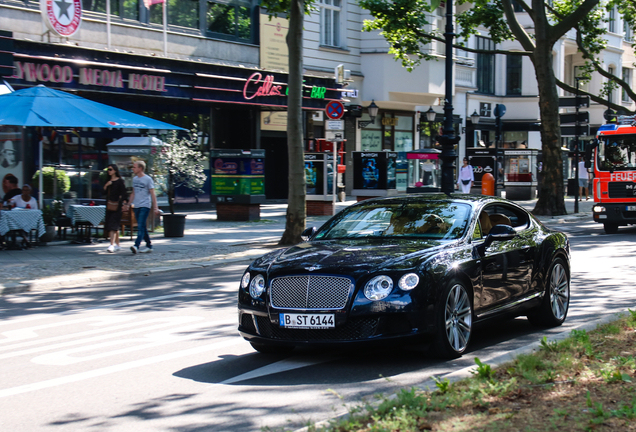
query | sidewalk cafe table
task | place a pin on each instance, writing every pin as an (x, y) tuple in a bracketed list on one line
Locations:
[(86, 217), (14, 221)]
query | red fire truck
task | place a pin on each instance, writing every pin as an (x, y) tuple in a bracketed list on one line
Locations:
[(614, 162)]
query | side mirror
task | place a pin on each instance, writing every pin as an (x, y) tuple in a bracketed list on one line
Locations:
[(308, 233), (497, 233)]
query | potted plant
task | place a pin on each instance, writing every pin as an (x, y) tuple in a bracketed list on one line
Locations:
[(180, 160), (49, 214)]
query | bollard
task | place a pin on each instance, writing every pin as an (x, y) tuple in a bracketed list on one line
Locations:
[(487, 184)]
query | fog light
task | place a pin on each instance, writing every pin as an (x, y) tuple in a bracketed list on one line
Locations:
[(408, 281), (599, 209), (246, 280)]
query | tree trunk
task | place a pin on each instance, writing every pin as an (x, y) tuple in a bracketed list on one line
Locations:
[(296, 211), (551, 193)]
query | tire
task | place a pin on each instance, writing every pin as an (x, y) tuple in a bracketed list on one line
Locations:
[(271, 349), (556, 300), (454, 319), (610, 228)]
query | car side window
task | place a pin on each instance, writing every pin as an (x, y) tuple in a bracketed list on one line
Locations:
[(507, 215)]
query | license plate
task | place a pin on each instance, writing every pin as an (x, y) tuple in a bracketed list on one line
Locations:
[(307, 321), (630, 208)]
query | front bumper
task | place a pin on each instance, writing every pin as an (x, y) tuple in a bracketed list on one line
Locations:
[(258, 327), (619, 214)]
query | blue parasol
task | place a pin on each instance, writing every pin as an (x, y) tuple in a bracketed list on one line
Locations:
[(42, 106)]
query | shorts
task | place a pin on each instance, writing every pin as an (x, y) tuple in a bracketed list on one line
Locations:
[(583, 182)]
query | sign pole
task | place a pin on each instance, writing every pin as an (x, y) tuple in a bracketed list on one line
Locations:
[(335, 178)]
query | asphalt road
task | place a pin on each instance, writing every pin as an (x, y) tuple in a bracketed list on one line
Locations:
[(162, 353)]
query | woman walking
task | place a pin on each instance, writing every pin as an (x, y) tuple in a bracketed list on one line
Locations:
[(466, 177), (116, 196)]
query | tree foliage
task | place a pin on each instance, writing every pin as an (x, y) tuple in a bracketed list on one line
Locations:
[(181, 161), (409, 33)]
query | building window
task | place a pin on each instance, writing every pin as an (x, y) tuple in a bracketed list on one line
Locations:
[(183, 13), (485, 66), (229, 21), (627, 31), (330, 22), (128, 9), (516, 6), (513, 75), (627, 77), (610, 94), (583, 85), (612, 20)]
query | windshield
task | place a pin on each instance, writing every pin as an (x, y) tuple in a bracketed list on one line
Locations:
[(427, 220), (617, 153)]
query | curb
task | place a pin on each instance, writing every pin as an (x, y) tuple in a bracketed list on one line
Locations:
[(467, 371), (72, 281)]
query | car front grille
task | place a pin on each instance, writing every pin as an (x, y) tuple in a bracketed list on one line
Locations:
[(354, 329), (310, 292)]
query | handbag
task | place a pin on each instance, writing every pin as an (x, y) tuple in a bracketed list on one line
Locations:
[(465, 182), (112, 205)]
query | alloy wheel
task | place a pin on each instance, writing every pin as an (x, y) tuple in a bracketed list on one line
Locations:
[(458, 318), (559, 291)]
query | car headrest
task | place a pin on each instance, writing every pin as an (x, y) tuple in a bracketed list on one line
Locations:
[(499, 219)]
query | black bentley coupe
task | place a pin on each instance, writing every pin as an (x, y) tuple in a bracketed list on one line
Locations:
[(421, 267)]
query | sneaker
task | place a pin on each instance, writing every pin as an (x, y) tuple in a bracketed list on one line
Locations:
[(111, 248), (145, 250), (117, 248), (133, 249)]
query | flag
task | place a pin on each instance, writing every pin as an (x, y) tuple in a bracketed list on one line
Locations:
[(149, 3)]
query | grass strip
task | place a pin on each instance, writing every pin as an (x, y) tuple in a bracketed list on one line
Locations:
[(583, 383)]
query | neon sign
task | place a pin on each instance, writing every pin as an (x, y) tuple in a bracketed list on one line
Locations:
[(266, 89)]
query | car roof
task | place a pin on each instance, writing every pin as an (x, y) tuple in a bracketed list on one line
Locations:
[(474, 200)]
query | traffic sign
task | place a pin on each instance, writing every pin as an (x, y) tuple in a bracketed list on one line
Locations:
[(583, 101), (334, 110), (583, 130), (581, 117)]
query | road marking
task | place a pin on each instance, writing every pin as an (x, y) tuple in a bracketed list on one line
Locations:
[(117, 368), (281, 366), (31, 332), (136, 328), (152, 340)]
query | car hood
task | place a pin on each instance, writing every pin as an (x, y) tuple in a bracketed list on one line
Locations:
[(350, 256)]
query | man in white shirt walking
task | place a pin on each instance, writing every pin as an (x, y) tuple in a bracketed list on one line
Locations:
[(143, 199), (583, 180)]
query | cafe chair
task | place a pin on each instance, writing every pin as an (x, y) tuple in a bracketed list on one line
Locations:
[(128, 220)]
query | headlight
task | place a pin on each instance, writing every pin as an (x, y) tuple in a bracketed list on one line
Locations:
[(378, 288), (257, 286), (246, 280), (408, 281), (599, 209)]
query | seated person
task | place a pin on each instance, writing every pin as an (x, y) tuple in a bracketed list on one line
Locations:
[(484, 221), (10, 188), (25, 201)]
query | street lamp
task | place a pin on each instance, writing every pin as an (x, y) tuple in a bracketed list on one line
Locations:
[(430, 115), (474, 117), (373, 113), (448, 139)]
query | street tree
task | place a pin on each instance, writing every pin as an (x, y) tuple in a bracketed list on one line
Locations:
[(405, 26), (296, 216)]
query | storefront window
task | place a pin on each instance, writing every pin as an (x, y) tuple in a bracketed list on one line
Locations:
[(371, 135), (515, 140)]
